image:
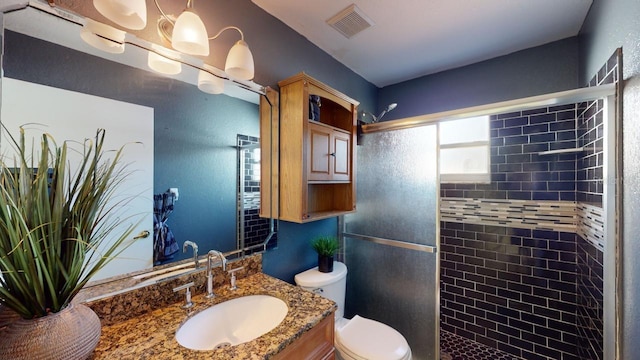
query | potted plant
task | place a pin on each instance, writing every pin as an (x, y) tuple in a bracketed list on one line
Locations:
[(326, 247), (56, 231)]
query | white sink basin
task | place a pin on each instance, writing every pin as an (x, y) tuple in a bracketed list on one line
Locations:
[(232, 322)]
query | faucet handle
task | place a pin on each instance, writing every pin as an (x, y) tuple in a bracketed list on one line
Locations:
[(187, 301), (233, 277)]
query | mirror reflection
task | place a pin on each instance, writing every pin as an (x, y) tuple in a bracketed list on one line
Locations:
[(204, 146)]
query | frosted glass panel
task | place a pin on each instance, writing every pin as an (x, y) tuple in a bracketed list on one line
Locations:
[(397, 188), (464, 130), (403, 294), (397, 200), (467, 160)]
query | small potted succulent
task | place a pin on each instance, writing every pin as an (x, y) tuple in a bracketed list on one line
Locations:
[(326, 247)]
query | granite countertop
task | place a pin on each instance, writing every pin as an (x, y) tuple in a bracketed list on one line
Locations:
[(152, 335)]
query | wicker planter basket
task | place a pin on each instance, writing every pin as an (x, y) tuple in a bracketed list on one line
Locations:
[(72, 333)]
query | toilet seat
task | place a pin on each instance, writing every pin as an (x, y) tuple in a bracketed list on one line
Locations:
[(366, 339)]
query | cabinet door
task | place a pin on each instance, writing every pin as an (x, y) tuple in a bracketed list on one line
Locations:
[(315, 344), (329, 154), (320, 161), (340, 155)]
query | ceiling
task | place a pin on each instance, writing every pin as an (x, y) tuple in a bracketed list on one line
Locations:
[(412, 38)]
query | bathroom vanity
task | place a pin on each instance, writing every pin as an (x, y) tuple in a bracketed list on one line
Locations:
[(306, 332)]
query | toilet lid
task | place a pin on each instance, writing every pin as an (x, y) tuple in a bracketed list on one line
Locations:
[(369, 339)]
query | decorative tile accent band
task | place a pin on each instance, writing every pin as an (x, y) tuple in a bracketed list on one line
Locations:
[(584, 219), (526, 214), (591, 224)]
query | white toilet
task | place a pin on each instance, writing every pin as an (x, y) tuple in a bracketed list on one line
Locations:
[(358, 338)]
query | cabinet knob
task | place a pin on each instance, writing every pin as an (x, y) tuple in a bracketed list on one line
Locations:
[(333, 154)]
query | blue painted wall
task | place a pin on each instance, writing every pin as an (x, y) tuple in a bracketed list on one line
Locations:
[(294, 253), (540, 70), (195, 139)]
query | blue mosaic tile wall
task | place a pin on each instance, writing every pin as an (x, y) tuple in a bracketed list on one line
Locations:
[(535, 294), (590, 301), (589, 184), (511, 289), (256, 228), (518, 171), (590, 190)]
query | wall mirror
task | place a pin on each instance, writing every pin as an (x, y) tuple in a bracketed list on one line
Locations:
[(199, 143)]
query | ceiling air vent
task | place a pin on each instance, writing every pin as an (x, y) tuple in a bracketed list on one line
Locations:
[(350, 21)]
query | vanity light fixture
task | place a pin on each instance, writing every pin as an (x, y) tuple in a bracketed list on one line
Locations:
[(188, 34), (160, 62), (131, 14), (209, 83), (103, 37)]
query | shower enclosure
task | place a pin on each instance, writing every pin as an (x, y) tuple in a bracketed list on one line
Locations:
[(524, 272), (390, 243)]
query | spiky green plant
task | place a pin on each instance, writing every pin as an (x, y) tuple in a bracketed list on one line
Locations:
[(325, 245), (52, 220)]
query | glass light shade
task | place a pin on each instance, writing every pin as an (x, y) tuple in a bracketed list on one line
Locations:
[(100, 35), (209, 83), (190, 35), (239, 64), (131, 14), (163, 65)]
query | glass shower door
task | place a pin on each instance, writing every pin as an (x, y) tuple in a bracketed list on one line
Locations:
[(391, 241)]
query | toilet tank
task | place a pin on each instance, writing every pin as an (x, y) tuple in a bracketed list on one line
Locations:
[(331, 285)]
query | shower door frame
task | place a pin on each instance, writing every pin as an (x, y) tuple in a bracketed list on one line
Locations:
[(611, 95)]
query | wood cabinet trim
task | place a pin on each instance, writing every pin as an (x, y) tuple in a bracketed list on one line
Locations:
[(320, 85), (315, 344)]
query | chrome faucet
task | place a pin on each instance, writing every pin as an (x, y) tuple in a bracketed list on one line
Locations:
[(195, 251), (223, 259)]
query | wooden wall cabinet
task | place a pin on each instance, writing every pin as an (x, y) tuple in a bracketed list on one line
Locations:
[(317, 157)]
